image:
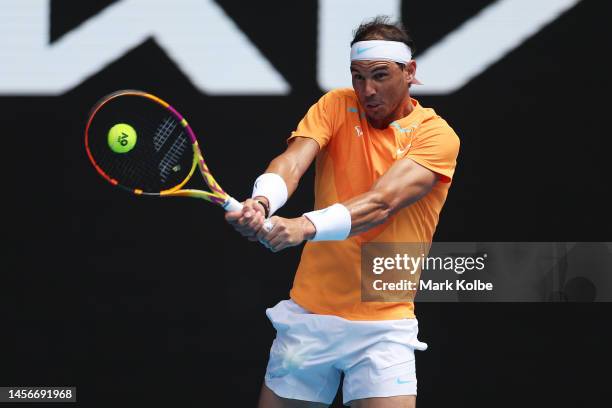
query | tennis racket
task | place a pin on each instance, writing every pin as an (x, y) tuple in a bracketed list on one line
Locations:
[(141, 144)]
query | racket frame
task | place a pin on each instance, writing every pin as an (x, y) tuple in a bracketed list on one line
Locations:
[(216, 196)]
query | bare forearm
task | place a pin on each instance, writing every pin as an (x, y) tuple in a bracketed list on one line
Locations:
[(288, 170), (367, 211), (386, 198)]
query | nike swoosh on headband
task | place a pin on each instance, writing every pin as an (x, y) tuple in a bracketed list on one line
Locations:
[(362, 50)]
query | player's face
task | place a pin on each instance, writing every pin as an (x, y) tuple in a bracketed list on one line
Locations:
[(382, 89)]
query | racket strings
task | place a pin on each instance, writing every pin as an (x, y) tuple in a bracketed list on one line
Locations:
[(170, 161), (164, 130)]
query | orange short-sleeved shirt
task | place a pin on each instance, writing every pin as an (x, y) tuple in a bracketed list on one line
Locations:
[(353, 156)]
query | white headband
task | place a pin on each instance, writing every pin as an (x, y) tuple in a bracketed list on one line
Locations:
[(382, 50)]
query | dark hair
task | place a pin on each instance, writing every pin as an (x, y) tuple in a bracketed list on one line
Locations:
[(382, 28)]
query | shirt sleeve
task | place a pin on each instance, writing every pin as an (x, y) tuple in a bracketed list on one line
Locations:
[(436, 148), (318, 123)]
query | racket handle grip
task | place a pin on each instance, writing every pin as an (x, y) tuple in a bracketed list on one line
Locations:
[(231, 204), (267, 225)]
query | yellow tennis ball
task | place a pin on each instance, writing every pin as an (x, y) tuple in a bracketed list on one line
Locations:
[(121, 138)]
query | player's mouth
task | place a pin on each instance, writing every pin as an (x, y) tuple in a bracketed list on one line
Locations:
[(373, 106)]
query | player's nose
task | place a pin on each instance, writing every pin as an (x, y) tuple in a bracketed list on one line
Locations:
[(368, 88)]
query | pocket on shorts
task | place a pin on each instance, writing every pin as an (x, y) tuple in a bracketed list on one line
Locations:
[(402, 372), (391, 360)]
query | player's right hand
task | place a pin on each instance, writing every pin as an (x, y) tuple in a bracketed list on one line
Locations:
[(249, 221)]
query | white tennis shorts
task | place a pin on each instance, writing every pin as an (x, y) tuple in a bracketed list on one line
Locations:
[(311, 351)]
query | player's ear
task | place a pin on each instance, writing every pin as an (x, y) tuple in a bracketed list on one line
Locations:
[(410, 70)]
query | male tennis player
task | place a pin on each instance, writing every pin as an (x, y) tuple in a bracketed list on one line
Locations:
[(384, 166)]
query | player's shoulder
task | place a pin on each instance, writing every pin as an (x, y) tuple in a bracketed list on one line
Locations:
[(432, 121), (340, 96), (342, 93)]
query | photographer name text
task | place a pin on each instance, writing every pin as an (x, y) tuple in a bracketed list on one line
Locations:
[(447, 285)]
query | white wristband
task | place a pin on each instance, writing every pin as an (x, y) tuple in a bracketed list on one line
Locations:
[(332, 223), (273, 187)]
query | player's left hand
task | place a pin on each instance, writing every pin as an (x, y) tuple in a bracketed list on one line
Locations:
[(247, 221), (287, 232)]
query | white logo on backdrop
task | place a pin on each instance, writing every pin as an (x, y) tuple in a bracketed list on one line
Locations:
[(219, 59)]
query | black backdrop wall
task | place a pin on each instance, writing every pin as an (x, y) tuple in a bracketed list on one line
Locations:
[(139, 300)]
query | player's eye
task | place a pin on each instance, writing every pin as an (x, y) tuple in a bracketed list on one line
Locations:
[(380, 75)]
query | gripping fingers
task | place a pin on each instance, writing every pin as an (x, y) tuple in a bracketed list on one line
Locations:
[(279, 242), (233, 216), (255, 222)]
